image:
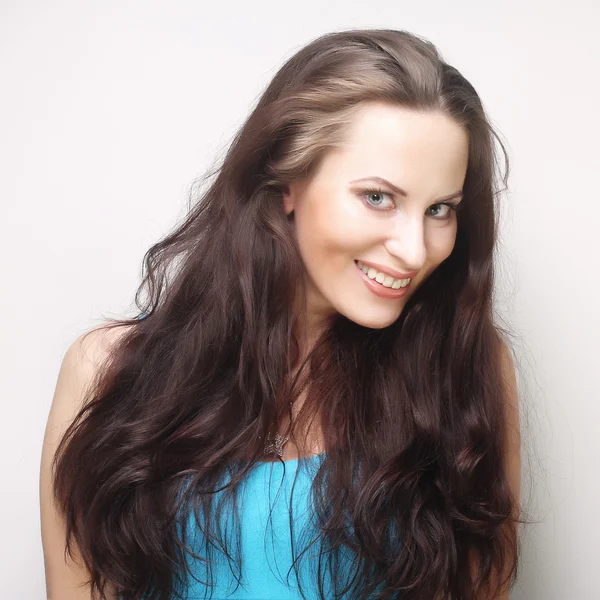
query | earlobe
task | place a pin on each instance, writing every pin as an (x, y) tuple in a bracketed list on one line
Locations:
[(288, 202)]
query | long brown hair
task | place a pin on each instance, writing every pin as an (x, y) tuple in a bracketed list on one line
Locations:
[(192, 390)]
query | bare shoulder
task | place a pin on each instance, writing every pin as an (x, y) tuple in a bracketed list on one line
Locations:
[(510, 386), (512, 452), (80, 364), (88, 352), (513, 425)]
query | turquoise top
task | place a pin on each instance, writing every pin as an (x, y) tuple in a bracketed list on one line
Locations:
[(266, 538), (266, 545)]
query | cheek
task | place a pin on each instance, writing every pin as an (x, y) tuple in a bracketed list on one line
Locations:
[(327, 230), (440, 243)]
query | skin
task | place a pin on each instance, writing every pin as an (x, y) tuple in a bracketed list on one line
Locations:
[(336, 221)]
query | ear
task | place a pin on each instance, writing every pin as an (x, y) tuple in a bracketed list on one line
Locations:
[(289, 200)]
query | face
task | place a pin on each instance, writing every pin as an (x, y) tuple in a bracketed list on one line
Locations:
[(378, 200)]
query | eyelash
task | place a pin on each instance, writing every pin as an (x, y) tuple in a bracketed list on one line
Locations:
[(454, 207)]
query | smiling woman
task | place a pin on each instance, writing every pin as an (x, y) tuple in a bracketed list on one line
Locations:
[(318, 402), (337, 224)]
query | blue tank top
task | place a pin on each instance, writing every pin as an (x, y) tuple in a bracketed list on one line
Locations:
[(266, 537)]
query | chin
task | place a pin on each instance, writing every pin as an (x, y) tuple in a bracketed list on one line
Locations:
[(374, 319)]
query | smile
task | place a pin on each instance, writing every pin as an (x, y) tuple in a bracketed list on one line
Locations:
[(380, 284)]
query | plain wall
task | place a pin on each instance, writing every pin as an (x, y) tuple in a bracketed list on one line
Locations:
[(109, 111)]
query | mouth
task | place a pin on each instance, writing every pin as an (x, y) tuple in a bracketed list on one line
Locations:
[(378, 288)]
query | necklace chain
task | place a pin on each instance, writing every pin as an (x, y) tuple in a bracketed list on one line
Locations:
[(275, 443)]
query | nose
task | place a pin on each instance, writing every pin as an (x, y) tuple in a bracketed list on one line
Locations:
[(406, 243)]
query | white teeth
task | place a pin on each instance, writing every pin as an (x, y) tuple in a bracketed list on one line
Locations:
[(385, 280)]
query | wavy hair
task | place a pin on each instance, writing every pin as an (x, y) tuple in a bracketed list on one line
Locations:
[(414, 481)]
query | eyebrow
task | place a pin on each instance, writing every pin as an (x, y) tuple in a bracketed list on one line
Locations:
[(400, 191)]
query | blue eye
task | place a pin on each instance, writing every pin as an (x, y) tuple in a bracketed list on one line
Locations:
[(377, 202), (379, 196), (452, 207), (379, 193)]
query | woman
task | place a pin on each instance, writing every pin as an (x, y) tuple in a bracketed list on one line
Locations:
[(318, 388)]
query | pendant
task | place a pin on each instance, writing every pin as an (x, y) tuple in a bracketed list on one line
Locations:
[(275, 445)]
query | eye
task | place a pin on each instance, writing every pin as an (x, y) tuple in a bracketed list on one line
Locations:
[(374, 198), (452, 207), (377, 199)]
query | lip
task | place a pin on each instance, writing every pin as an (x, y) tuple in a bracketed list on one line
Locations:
[(391, 272), (381, 290)]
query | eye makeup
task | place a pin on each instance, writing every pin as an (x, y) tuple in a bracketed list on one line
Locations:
[(453, 206)]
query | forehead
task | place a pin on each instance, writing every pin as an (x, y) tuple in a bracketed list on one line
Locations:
[(424, 149)]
